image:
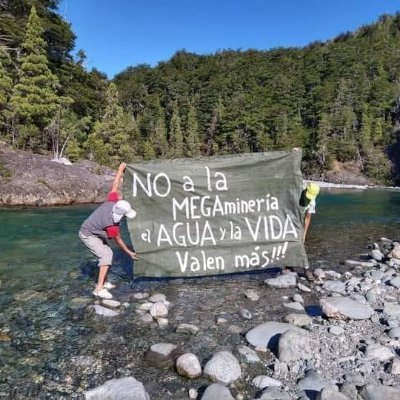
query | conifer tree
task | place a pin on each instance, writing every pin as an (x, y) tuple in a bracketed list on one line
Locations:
[(175, 133), (34, 101), (366, 130), (110, 141), (148, 150), (5, 93), (192, 140), (158, 131)]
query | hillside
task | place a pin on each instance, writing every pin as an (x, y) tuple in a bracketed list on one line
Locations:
[(338, 100)]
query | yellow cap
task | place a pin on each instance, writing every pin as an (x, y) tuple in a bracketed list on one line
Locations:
[(312, 191)]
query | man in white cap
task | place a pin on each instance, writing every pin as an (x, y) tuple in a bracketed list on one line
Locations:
[(103, 224)]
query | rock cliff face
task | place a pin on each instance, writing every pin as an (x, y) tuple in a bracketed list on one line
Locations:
[(28, 179)]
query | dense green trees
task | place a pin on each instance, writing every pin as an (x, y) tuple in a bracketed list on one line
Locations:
[(34, 101), (339, 100)]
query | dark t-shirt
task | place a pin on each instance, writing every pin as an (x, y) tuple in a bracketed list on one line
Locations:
[(100, 222)]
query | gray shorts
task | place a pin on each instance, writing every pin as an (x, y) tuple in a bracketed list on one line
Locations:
[(99, 247)]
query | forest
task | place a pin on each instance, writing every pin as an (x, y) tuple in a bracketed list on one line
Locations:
[(338, 100)]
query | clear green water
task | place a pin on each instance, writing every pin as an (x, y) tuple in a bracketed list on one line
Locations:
[(43, 266), (347, 221)]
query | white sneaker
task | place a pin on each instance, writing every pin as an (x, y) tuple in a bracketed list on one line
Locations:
[(103, 293), (109, 285)]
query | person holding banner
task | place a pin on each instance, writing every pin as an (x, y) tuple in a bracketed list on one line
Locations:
[(307, 201), (102, 225)]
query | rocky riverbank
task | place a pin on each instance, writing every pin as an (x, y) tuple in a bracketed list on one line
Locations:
[(336, 338), (28, 179), (243, 337)]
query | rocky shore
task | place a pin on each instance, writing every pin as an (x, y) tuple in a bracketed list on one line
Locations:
[(243, 337), (28, 179), (32, 180)]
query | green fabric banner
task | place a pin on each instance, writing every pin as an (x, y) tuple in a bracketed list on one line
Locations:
[(216, 215)]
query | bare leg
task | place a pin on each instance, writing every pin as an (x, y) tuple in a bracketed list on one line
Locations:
[(102, 276)]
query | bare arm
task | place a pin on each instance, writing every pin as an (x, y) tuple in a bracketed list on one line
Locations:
[(307, 221), (118, 177), (125, 248)]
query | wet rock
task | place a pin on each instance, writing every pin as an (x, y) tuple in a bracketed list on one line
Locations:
[(29, 295), (293, 346), (187, 328), (5, 337), (85, 364), (252, 295), (80, 303), (395, 252), (223, 367), (111, 303), (106, 312), (145, 306), (282, 282), (124, 388), (157, 297), (162, 322), (263, 381), (163, 355), (188, 365), (158, 310), (140, 295), (267, 334), (376, 254), (146, 318), (247, 355), (380, 392), (343, 308), (217, 391)]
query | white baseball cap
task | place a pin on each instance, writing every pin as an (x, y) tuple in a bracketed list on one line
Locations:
[(122, 208)]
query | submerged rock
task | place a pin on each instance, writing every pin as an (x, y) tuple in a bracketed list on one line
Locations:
[(124, 388)]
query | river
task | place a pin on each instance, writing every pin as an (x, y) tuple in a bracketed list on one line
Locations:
[(43, 266)]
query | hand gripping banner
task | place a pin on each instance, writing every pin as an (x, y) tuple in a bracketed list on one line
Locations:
[(216, 215)]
